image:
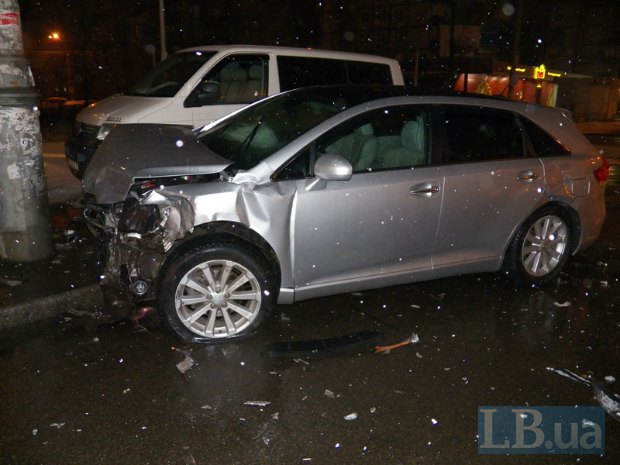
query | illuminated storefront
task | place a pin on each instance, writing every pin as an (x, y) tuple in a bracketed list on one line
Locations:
[(530, 83)]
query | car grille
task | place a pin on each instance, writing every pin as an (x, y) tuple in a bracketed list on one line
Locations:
[(85, 132)]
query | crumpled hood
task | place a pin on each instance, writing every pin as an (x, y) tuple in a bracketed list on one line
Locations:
[(133, 151)]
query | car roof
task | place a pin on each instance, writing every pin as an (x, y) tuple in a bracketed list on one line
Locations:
[(290, 51), (377, 91)]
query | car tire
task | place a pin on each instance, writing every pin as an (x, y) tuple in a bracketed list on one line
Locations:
[(215, 292), (541, 247)]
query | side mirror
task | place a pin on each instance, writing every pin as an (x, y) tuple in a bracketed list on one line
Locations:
[(205, 93), (330, 167)]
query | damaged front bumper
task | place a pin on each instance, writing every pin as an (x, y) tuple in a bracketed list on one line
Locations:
[(136, 236)]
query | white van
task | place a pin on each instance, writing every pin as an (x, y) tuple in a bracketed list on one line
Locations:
[(198, 85)]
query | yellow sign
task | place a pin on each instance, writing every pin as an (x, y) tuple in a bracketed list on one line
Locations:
[(540, 72)]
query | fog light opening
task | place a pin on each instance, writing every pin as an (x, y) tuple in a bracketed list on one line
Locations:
[(140, 287)]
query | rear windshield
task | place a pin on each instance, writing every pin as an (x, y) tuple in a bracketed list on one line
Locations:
[(167, 78)]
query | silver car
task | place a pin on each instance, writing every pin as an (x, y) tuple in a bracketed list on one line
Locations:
[(328, 190)]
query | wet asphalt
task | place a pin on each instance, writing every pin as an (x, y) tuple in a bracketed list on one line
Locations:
[(83, 389)]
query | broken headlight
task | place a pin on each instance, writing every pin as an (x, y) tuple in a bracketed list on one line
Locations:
[(137, 218)]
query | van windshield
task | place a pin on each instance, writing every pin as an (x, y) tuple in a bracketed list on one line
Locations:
[(167, 78)]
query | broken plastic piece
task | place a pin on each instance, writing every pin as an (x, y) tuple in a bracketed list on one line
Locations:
[(413, 339), (187, 363), (11, 282), (351, 416), (257, 403)]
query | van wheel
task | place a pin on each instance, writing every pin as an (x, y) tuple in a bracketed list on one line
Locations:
[(215, 293), (540, 248)]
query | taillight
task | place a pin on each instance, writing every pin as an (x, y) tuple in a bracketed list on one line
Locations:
[(602, 172)]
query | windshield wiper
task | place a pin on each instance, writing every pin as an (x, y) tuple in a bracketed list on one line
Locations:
[(248, 140)]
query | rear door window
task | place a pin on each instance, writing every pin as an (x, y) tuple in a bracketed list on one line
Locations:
[(480, 134), (543, 143)]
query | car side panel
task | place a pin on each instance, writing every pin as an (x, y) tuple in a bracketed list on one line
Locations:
[(570, 181), (484, 203)]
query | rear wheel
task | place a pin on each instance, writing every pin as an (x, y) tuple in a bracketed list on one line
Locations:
[(541, 247), (215, 293)]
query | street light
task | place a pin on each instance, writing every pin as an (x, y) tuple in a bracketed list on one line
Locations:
[(55, 36)]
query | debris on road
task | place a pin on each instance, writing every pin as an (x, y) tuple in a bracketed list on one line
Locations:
[(609, 401), (413, 339), (322, 346), (561, 304), (11, 282), (257, 403), (185, 458), (351, 416), (81, 312), (187, 363)]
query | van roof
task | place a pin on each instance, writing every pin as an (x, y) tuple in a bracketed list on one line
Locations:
[(296, 51)]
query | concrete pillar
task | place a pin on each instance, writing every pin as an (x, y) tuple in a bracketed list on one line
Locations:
[(25, 233)]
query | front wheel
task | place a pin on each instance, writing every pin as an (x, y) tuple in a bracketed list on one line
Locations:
[(215, 293), (540, 248)]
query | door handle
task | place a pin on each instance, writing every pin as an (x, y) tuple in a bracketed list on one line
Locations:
[(424, 190), (527, 176)]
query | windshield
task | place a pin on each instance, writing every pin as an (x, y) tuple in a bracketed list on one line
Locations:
[(260, 130), (168, 77)]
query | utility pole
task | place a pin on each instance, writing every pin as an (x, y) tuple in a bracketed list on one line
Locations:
[(25, 233), (162, 29), (516, 49)]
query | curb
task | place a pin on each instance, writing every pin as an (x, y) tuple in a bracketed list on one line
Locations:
[(50, 306)]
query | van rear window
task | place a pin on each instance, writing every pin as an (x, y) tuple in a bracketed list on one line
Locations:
[(307, 71)]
